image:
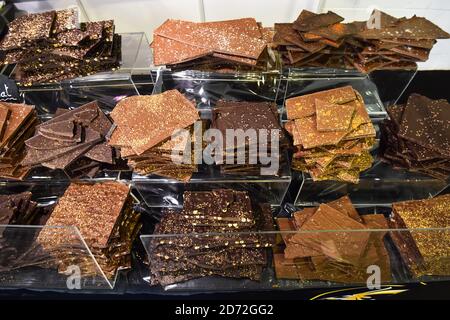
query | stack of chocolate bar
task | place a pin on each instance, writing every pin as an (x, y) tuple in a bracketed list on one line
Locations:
[(332, 133), (382, 42), (310, 251), (52, 46), (103, 213), (17, 123), (218, 249), (248, 126), (232, 44), (73, 140), (18, 209), (425, 248), (417, 136), (145, 126)]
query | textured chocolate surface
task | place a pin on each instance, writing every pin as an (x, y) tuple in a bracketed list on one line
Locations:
[(416, 137), (53, 46), (69, 136), (425, 253), (183, 257), (382, 42), (102, 213), (332, 133), (318, 253), (231, 44)]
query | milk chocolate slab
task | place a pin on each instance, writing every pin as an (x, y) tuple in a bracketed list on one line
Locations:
[(168, 51), (102, 153), (304, 106), (63, 160), (65, 129), (333, 117), (417, 43), (94, 209), (417, 53), (311, 137), (19, 113), (147, 120), (36, 156), (216, 39)]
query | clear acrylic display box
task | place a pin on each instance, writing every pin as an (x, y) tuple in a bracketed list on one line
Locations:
[(298, 82), (354, 270), (26, 264)]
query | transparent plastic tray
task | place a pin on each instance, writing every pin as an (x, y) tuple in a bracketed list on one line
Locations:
[(303, 81), (206, 88), (25, 264), (392, 271)]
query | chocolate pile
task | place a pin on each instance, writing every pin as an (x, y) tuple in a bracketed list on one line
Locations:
[(144, 129), (103, 213), (52, 46), (17, 123), (417, 136), (332, 133), (18, 209), (382, 42), (425, 251), (255, 116), (73, 140), (235, 44), (341, 256), (223, 212)]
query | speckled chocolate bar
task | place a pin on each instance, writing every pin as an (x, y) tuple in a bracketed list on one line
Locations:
[(382, 42), (224, 253), (416, 137), (332, 134), (53, 46), (103, 214), (238, 43)]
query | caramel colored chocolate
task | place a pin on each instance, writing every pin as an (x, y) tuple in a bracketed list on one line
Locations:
[(216, 39), (332, 133), (424, 252), (333, 243), (147, 120), (103, 215)]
